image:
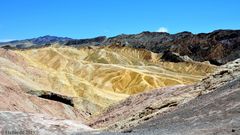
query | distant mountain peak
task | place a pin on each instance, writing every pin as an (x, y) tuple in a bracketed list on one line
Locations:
[(49, 39)]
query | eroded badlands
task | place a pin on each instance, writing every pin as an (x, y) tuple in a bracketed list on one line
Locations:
[(96, 77)]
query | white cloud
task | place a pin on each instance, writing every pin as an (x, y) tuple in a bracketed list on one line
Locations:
[(162, 29), (6, 40)]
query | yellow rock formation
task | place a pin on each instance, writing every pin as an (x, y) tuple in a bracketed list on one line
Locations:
[(99, 76)]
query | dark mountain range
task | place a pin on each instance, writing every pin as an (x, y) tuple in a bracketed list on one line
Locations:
[(87, 42), (218, 47), (49, 39), (35, 42)]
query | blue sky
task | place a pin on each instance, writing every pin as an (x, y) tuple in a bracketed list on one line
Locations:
[(20, 19)]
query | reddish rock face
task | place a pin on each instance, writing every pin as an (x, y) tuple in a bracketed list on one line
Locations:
[(14, 98)]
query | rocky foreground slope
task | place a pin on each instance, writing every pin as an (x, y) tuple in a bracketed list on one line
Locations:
[(214, 113), (18, 123)]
